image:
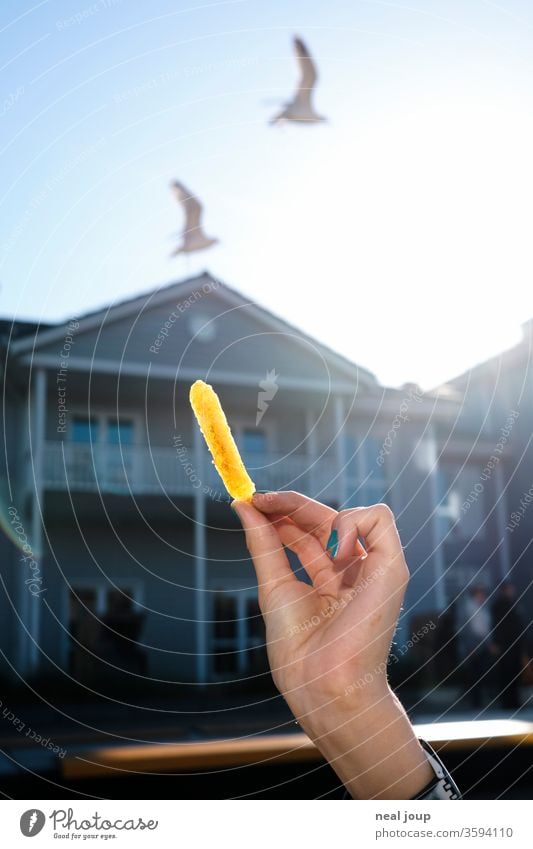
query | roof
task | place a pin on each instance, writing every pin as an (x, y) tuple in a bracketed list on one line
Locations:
[(11, 329), (523, 348), (175, 290)]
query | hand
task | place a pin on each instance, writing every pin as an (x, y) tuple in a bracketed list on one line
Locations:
[(324, 638), (328, 642)]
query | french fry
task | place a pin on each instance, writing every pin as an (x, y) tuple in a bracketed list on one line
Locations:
[(217, 434)]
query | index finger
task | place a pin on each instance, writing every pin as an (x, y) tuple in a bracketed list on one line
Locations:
[(310, 515)]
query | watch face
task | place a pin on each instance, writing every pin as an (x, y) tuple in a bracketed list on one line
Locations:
[(202, 327)]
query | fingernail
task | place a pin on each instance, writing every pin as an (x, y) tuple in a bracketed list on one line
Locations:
[(261, 491), (332, 544)]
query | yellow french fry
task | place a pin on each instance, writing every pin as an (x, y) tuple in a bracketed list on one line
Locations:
[(217, 434)]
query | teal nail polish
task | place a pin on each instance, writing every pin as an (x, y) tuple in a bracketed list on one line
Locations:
[(332, 544), (263, 491)]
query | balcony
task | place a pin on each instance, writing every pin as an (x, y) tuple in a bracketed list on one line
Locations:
[(144, 470)]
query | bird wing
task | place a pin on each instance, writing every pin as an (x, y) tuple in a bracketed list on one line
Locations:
[(279, 117), (190, 204), (308, 70)]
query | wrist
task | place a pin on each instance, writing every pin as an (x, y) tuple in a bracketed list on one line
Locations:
[(326, 718), (371, 745), (329, 724)]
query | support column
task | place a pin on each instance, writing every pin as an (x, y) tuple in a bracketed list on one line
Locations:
[(501, 521), (312, 453), (504, 553), (366, 494), (439, 565), (200, 570), (38, 426), (340, 452)]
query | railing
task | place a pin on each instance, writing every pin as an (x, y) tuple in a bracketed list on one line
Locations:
[(112, 468), (146, 469)]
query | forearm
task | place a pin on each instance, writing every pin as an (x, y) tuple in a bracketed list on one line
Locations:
[(372, 747)]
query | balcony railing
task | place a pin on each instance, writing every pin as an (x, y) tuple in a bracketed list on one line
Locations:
[(144, 469)]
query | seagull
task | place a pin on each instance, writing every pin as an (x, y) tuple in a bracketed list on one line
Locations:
[(300, 108), (194, 238)]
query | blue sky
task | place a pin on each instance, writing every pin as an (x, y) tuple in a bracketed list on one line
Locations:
[(399, 233)]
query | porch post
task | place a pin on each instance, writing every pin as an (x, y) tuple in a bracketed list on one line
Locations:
[(200, 606), (34, 601), (312, 452), (339, 448), (501, 520), (439, 565)]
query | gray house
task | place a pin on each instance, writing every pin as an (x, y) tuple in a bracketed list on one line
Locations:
[(493, 458), (115, 522)]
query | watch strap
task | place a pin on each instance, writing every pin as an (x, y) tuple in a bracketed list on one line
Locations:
[(442, 786)]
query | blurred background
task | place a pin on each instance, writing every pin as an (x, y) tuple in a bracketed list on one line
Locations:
[(325, 213)]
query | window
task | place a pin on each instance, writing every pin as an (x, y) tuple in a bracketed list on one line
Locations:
[(462, 494), (365, 477), (84, 433), (85, 429), (120, 432), (237, 635), (254, 447), (120, 459), (100, 428), (103, 451), (103, 622), (225, 634), (253, 441)]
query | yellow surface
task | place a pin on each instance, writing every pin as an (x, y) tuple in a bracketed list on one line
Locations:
[(266, 749), (215, 428)]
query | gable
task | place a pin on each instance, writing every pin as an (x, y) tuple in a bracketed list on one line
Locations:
[(202, 328)]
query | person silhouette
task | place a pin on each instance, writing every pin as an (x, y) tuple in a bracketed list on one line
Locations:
[(508, 645)]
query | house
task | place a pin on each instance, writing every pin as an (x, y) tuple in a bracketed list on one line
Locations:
[(116, 524), (492, 463)]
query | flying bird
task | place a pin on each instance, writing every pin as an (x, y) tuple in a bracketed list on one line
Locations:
[(300, 108), (194, 238)]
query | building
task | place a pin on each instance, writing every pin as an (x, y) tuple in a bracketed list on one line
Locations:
[(494, 463), (113, 512)]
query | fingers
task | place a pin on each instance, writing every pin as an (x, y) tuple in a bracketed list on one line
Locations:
[(347, 531), (310, 515), (266, 549), (375, 524), (310, 553)]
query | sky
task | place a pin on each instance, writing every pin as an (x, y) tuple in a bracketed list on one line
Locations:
[(398, 233)]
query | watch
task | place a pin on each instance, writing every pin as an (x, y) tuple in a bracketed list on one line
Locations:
[(442, 786)]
